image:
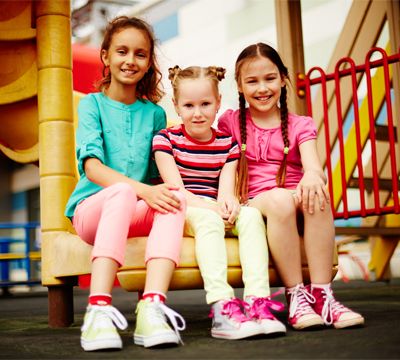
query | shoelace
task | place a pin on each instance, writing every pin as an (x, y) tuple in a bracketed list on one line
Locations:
[(161, 311), (235, 309), (106, 312), (331, 307), (260, 309), (300, 300)]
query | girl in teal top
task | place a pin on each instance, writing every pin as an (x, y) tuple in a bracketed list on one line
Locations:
[(113, 199)]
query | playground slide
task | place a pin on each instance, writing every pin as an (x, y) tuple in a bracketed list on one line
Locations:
[(18, 80)]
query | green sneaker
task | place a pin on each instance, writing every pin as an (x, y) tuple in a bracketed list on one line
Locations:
[(98, 330), (151, 324)]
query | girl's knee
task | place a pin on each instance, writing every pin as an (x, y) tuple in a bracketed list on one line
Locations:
[(249, 212), (280, 202), (277, 204), (205, 219), (214, 218), (122, 189), (181, 197), (123, 196)]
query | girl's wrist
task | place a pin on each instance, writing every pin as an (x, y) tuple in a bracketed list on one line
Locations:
[(140, 188)]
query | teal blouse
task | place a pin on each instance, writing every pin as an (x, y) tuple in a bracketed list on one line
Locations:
[(120, 136)]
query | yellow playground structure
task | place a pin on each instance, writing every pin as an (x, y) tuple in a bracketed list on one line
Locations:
[(37, 127)]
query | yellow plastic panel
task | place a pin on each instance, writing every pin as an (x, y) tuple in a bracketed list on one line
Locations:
[(16, 20), (54, 141), (55, 191), (53, 257), (52, 7), (73, 255), (55, 42), (25, 156), (19, 124), (55, 102), (18, 71)]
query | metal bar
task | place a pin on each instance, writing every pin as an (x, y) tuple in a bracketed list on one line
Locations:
[(392, 147), (358, 137), (304, 83), (340, 136), (301, 84)]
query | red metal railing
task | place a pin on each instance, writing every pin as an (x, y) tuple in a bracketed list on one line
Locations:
[(347, 70)]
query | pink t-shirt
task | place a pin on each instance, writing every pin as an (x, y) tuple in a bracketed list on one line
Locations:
[(264, 149)]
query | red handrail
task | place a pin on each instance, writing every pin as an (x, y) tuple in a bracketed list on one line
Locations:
[(304, 84)]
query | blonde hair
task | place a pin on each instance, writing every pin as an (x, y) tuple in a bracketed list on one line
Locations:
[(176, 74)]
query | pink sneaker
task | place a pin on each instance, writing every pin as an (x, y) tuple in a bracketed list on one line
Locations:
[(301, 314), (230, 322), (261, 312), (332, 311)]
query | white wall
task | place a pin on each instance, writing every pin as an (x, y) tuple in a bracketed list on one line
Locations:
[(213, 32)]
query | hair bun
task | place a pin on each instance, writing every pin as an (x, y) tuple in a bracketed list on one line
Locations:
[(173, 73), (218, 71)]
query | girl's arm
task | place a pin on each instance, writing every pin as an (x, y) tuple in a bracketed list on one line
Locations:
[(170, 174), (226, 192), (313, 182), (158, 197)]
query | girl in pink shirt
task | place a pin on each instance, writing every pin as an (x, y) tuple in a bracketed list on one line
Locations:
[(280, 174)]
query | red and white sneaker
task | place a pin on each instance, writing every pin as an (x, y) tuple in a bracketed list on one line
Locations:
[(301, 313), (332, 311), (261, 312)]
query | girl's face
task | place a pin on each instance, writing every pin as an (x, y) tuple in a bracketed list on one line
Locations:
[(260, 82), (197, 104), (128, 57)]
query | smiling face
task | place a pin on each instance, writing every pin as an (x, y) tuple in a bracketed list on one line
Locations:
[(260, 82), (197, 103), (128, 58)]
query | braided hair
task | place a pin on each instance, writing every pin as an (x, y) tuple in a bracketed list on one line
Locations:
[(281, 175), (243, 178), (251, 52)]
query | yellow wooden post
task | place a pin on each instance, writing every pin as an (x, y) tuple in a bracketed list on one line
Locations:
[(290, 46), (55, 138)]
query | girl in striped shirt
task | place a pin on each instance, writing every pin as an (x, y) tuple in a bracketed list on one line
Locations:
[(202, 162)]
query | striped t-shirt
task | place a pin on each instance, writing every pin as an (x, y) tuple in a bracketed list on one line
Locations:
[(199, 163)]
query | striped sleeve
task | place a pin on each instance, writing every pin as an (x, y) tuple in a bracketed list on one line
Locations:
[(234, 153), (162, 142)]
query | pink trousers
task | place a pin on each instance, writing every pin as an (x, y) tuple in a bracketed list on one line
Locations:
[(108, 218)]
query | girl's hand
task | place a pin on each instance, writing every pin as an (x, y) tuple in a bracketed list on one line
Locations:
[(229, 209), (161, 198), (310, 189)]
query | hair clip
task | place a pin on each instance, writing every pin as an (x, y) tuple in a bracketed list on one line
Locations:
[(286, 150), (243, 148)]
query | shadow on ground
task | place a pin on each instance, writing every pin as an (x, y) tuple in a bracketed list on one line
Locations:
[(24, 333)]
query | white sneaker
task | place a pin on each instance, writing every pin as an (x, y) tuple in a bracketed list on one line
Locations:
[(98, 330), (260, 310), (230, 322), (152, 328)]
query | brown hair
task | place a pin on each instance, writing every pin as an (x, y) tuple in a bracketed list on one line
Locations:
[(149, 86), (250, 52), (214, 73)]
